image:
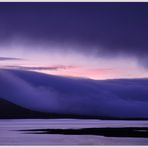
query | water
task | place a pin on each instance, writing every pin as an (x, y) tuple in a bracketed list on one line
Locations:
[(11, 134)]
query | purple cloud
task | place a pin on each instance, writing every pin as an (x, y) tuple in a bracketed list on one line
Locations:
[(9, 59), (56, 67)]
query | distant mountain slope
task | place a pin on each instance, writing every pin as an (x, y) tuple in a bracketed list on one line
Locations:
[(121, 99), (10, 110)]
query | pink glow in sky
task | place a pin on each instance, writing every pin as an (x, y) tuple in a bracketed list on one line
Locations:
[(70, 63)]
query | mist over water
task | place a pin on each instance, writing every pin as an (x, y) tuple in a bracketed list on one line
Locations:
[(55, 94)]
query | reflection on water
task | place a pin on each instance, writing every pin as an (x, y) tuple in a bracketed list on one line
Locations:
[(73, 132)]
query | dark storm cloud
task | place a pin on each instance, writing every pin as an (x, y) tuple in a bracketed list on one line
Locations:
[(120, 28), (9, 59)]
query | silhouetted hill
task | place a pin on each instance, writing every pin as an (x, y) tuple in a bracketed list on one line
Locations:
[(10, 110)]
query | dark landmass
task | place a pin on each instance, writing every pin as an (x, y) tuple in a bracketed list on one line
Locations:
[(10, 110), (135, 132)]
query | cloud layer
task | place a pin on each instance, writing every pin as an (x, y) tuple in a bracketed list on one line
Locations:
[(9, 59), (54, 94), (56, 67)]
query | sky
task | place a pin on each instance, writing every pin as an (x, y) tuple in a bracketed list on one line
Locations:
[(93, 40)]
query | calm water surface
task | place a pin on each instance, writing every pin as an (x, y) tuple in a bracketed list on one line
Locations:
[(11, 134)]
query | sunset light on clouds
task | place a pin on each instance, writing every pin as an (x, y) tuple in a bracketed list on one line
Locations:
[(70, 63)]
